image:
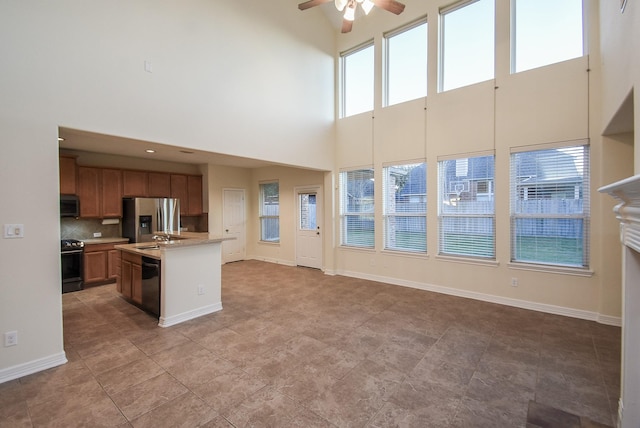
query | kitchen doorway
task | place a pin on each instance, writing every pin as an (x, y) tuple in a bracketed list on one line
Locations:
[(233, 225), (308, 230)]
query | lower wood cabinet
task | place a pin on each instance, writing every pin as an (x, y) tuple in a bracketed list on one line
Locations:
[(130, 283), (101, 263)]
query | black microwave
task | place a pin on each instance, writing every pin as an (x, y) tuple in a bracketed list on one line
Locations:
[(69, 206)]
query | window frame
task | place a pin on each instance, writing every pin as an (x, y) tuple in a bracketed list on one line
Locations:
[(263, 217), (342, 104), (513, 39), (345, 215), (387, 215), (585, 216), (443, 216), (386, 49), (441, 40)]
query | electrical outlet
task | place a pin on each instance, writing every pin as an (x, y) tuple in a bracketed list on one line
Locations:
[(13, 231), (514, 282), (200, 290), (97, 234), (11, 338)]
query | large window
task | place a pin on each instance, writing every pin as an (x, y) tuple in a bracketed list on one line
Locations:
[(270, 212), (466, 207), (545, 32), (356, 208), (357, 74), (550, 206), (467, 43), (405, 207), (406, 61)]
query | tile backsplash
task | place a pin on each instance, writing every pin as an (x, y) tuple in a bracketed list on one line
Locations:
[(72, 228)]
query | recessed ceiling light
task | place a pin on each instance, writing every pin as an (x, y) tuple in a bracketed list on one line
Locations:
[(150, 151)]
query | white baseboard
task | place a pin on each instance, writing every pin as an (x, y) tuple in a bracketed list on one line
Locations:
[(523, 304), (276, 261), (189, 315), (24, 369)]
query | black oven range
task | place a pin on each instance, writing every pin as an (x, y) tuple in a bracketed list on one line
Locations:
[(71, 253)]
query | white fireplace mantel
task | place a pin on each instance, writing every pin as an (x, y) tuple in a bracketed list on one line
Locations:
[(627, 191)]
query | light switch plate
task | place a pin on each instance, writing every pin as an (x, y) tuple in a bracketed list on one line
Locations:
[(13, 231)]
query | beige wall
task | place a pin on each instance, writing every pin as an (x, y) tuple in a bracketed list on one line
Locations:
[(245, 78), (551, 104)]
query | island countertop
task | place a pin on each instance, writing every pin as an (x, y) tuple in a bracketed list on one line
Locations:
[(155, 249)]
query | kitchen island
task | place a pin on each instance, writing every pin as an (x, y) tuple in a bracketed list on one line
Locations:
[(189, 276)]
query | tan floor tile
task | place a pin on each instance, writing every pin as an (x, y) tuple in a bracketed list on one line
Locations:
[(185, 411)]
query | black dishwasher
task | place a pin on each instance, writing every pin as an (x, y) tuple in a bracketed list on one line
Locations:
[(151, 285)]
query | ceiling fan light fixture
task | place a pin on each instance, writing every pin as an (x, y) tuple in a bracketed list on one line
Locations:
[(341, 4), (350, 11), (367, 5)]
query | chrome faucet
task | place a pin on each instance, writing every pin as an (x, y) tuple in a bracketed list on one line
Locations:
[(162, 238)]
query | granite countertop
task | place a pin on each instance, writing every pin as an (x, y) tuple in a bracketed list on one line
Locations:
[(112, 240), (182, 241)]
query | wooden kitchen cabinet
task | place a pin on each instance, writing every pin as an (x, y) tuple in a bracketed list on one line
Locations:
[(89, 191), (135, 183), (159, 184), (68, 175), (131, 276), (100, 192), (111, 193), (101, 263), (194, 189), (187, 188)]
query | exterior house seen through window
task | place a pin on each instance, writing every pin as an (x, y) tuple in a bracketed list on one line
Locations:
[(405, 207), (466, 211), (550, 206), (357, 223), (270, 212)]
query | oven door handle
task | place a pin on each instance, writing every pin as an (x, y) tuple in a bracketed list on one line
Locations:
[(72, 252)]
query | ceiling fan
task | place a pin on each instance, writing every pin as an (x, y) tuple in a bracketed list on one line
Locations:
[(349, 7)]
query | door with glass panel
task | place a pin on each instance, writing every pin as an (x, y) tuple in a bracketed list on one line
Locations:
[(308, 230)]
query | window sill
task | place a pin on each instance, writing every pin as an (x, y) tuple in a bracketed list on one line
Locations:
[(363, 249), (273, 243), (564, 270), (468, 261), (406, 254)]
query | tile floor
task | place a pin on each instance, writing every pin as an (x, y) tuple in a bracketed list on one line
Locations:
[(296, 348)]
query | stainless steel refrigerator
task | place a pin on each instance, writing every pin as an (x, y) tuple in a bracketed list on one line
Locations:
[(144, 217)]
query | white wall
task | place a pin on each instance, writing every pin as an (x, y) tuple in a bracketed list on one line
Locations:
[(248, 78)]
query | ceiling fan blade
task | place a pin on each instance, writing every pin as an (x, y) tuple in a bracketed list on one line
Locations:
[(346, 25), (392, 6), (311, 3)]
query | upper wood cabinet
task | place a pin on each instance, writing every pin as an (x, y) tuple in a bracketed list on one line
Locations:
[(159, 184), (194, 188), (187, 188), (111, 193), (100, 192), (135, 183), (89, 191), (68, 175)]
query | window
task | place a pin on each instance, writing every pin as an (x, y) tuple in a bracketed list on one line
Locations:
[(270, 212), (467, 41), (558, 39), (406, 60), (357, 80), (550, 206), (405, 207), (356, 208), (466, 207)]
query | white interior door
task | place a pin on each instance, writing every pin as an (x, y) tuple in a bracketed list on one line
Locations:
[(233, 224), (308, 230)]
